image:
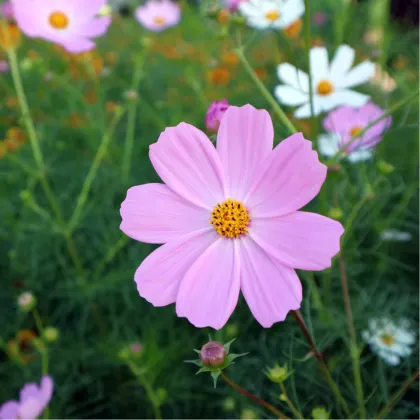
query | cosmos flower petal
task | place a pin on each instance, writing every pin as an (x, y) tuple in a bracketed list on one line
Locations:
[(328, 144), (96, 27), (270, 289), (90, 7), (404, 336), (159, 276), (188, 163), (241, 155), (293, 77), (312, 239), (31, 408), (290, 178), (209, 291), (342, 61), (319, 63), (290, 96), (360, 155), (78, 44), (26, 17), (30, 390), (359, 74), (345, 97), (304, 111), (389, 358), (153, 213), (46, 389), (9, 410)]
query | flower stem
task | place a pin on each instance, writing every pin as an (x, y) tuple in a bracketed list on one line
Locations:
[(292, 407), (308, 55), (265, 404), (354, 351), (322, 365), (397, 396), (264, 91)]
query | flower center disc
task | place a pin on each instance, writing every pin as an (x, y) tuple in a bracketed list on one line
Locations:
[(230, 218), (159, 20), (59, 20), (272, 15), (324, 87), (355, 131), (388, 339)]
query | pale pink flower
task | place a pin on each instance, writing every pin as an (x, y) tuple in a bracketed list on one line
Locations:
[(232, 5), (6, 10), (157, 15), (70, 24), (32, 401), (229, 221), (4, 66), (344, 123), (215, 113)]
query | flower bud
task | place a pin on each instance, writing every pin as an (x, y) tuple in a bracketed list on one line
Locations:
[(385, 168), (215, 113), (26, 301), (278, 374), (51, 334), (213, 354), (248, 413), (229, 404), (320, 413), (335, 213)]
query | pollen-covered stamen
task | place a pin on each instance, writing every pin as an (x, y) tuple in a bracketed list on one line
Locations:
[(387, 339), (356, 131), (59, 20), (272, 15), (230, 218), (324, 87), (159, 20)]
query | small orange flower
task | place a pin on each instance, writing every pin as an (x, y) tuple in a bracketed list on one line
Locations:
[(9, 35), (400, 62), (15, 138), (21, 347), (219, 76), (75, 120), (261, 73), (11, 102), (230, 59), (294, 30), (91, 97), (317, 42), (223, 16), (111, 106)]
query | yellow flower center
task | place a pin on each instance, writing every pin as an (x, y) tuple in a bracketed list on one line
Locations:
[(230, 218), (59, 20), (159, 20), (356, 131), (272, 15), (325, 87), (387, 339)]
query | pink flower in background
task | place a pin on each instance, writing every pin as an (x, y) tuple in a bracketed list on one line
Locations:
[(70, 24), (345, 122), (157, 15), (232, 5), (319, 19), (6, 10), (4, 66), (229, 220), (32, 401), (215, 113)]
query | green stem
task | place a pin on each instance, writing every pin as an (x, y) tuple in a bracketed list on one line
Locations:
[(390, 111), (259, 401), (292, 407), (90, 177), (321, 362), (131, 124), (308, 55), (264, 91), (397, 396), (354, 351)]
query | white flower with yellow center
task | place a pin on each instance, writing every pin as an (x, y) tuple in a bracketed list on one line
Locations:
[(389, 340), (272, 14), (331, 82)]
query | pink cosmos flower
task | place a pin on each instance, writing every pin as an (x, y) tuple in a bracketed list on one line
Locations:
[(4, 66), (70, 24), (229, 221), (157, 15), (33, 400), (215, 113), (345, 122), (6, 10), (232, 5)]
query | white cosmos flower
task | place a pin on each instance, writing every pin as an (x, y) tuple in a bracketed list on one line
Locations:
[(272, 14), (330, 82), (389, 340), (329, 144)]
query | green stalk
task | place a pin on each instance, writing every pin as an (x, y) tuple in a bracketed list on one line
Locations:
[(264, 91), (292, 407), (90, 177)]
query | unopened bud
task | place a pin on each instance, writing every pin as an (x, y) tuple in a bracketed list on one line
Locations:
[(26, 301), (249, 414), (229, 404), (51, 334), (335, 213), (278, 374), (384, 167), (223, 16), (213, 354), (320, 413)]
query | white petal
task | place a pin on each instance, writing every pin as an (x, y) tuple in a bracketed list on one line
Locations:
[(290, 96), (389, 358), (328, 144), (344, 97), (360, 156), (319, 64), (292, 76), (357, 75), (342, 61), (305, 110)]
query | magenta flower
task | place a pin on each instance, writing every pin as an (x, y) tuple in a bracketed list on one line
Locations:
[(232, 5), (319, 19), (229, 220), (4, 66), (6, 10), (70, 24), (33, 400), (345, 122), (157, 15), (215, 113)]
